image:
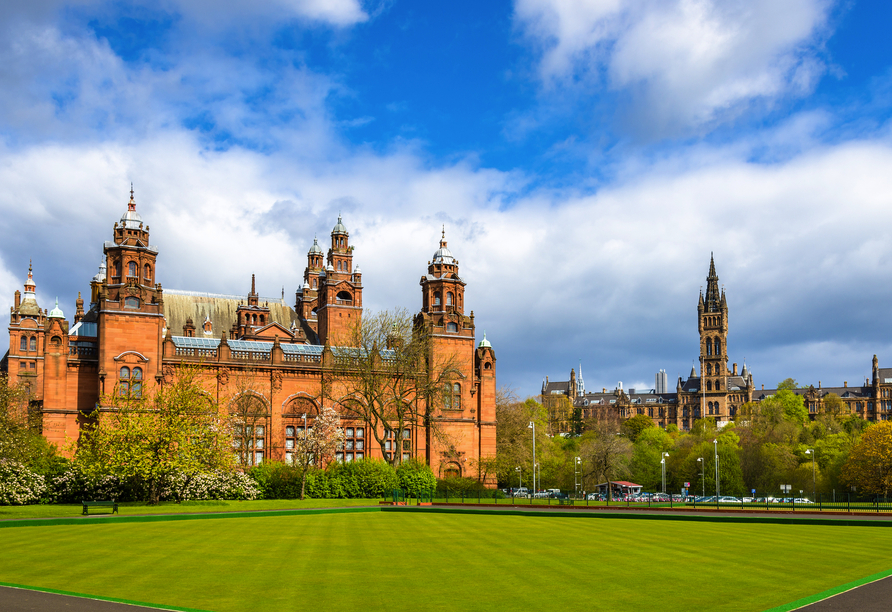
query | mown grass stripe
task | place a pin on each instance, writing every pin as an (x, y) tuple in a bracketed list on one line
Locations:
[(100, 598), (805, 601), (775, 520), (194, 516)]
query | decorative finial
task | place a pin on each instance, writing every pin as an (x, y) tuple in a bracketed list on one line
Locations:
[(131, 205), (444, 231)]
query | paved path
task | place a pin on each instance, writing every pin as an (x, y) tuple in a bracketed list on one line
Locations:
[(23, 600), (873, 597)]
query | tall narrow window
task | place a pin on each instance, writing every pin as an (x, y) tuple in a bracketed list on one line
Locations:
[(33, 343), (449, 298), (124, 382), (437, 298), (23, 343), (147, 273), (136, 383), (709, 369), (708, 346), (118, 269), (131, 269), (456, 396), (718, 347)]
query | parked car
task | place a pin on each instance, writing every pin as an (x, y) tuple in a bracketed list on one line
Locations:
[(727, 499)]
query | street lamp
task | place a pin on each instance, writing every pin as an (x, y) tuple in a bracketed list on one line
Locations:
[(519, 477), (716, 446), (663, 466), (577, 465), (532, 426), (814, 495), (702, 477)]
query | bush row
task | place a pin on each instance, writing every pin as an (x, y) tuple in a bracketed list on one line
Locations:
[(368, 478)]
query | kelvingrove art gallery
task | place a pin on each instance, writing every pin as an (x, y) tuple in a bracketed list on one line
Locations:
[(132, 336)]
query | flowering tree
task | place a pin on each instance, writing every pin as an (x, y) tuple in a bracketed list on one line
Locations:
[(316, 445), (178, 430)]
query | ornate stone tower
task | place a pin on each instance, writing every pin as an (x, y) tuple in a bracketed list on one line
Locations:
[(130, 307), (339, 295), (713, 326)]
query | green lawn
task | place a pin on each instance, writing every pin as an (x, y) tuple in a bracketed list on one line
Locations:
[(62, 510), (418, 561)]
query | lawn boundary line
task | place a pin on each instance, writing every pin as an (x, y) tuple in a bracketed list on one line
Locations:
[(805, 601), (773, 520), (189, 516), (129, 602)]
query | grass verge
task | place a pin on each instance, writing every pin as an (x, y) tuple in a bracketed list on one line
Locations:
[(437, 561)]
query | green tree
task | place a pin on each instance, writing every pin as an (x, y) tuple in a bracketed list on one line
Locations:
[(788, 384), (177, 430), (869, 466), (646, 456), (20, 440), (514, 437), (633, 427)]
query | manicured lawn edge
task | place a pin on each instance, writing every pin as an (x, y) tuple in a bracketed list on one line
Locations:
[(780, 520), (192, 516), (100, 598), (799, 603)]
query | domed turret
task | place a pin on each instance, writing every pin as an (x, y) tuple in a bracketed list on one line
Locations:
[(315, 249), (443, 254), (131, 218), (339, 227), (484, 343), (56, 313)]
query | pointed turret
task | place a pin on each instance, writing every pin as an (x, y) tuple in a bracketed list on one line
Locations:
[(713, 297)]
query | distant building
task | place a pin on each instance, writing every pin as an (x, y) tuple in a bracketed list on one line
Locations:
[(661, 382), (717, 392)]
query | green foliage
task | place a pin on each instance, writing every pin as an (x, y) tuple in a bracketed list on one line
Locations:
[(416, 477), (633, 427), (366, 478), (787, 384), (20, 440), (469, 487)]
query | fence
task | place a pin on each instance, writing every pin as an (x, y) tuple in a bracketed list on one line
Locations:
[(763, 504)]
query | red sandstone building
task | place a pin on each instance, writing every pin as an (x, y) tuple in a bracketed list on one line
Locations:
[(132, 335)]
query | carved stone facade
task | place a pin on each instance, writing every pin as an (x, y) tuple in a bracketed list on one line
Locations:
[(128, 341)]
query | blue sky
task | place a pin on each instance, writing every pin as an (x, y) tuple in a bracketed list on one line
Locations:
[(585, 156)]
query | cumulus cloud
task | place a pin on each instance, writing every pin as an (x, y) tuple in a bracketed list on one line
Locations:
[(683, 63), (610, 277)]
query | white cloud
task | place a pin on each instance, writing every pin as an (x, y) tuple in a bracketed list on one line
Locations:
[(685, 63), (611, 278)]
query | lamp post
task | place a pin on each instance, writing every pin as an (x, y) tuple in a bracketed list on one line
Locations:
[(663, 466), (814, 495), (532, 426), (702, 477), (519, 477), (577, 465), (716, 446)]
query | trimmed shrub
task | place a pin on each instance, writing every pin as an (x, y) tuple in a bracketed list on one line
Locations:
[(19, 485), (365, 478), (469, 487), (416, 477)]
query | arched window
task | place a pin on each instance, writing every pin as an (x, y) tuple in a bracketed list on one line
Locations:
[(487, 366), (136, 383), (33, 343), (709, 385), (449, 298), (718, 384), (118, 269), (436, 298), (131, 302), (131, 269), (708, 346), (456, 396), (23, 343), (261, 319), (709, 369), (124, 381), (147, 272), (718, 347), (339, 266)]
